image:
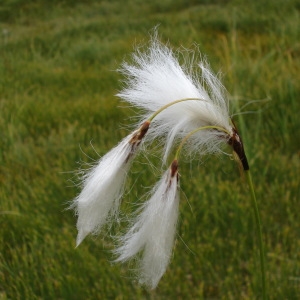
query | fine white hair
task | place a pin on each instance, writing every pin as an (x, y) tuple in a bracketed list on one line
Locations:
[(155, 78), (103, 187), (153, 231)]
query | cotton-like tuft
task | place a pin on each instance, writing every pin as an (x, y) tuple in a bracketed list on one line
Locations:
[(103, 186), (153, 231), (155, 78)]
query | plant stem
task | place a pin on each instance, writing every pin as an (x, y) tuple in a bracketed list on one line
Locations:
[(259, 232), (172, 103), (221, 129)]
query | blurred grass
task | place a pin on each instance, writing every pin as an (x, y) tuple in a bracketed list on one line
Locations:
[(57, 87)]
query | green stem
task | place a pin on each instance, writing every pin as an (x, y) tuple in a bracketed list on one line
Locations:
[(259, 232), (195, 131), (170, 104)]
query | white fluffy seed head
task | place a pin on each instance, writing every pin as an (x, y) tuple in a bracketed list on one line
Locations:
[(155, 78), (103, 187), (153, 231)]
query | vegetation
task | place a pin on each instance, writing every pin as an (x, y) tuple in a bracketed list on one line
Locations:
[(58, 105)]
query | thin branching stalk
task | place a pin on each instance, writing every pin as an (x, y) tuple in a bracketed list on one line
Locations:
[(172, 103), (195, 131)]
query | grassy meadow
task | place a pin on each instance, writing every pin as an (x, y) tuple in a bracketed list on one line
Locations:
[(58, 110)]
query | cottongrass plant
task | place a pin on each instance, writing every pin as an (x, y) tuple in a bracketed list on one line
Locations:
[(182, 109)]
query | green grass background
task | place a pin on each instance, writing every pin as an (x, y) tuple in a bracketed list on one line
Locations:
[(57, 87)]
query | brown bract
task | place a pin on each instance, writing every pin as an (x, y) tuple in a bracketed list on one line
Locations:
[(137, 138), (236, 142)]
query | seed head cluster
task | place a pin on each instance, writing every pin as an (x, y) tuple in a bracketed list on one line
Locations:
[(184, 106)]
